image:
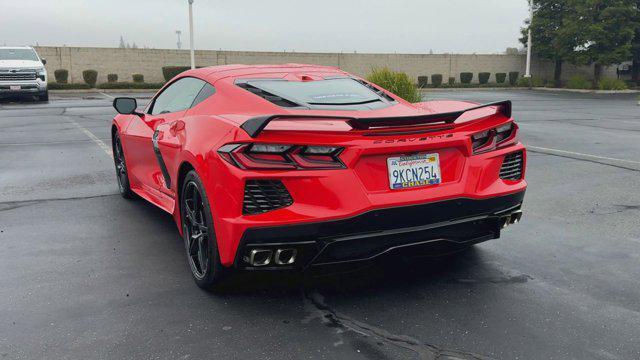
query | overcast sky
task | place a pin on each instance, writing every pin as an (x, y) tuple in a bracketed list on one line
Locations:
[(403, 26)]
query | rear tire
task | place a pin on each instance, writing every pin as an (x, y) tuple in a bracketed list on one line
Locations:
[(121, 168), (198, 234)]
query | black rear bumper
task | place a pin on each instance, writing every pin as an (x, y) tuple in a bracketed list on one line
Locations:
[(430, 228)]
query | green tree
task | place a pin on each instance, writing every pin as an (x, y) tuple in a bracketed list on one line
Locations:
[(635, 72), (604, 30), (551, 38)]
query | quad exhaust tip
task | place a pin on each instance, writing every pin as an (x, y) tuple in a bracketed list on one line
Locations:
[(259, 257), (513, 218), (264, 257)]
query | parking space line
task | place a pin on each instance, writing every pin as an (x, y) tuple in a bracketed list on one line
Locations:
[(589, 156), (106, 95), (95, 139)]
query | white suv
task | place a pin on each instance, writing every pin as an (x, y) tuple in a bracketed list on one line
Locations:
[(22, 72)]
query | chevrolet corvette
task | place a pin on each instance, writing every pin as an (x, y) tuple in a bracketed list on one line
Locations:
[(294, 167)]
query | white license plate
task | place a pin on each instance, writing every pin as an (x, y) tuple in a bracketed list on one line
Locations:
[(413, 171), (15, 87)]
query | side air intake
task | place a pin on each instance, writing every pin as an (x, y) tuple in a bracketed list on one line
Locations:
[(261, 196), (512, 166)]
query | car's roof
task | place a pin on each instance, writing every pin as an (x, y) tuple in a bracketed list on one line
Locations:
[(214, 73)]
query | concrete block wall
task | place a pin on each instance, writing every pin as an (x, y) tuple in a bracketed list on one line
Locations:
[(149, 62)]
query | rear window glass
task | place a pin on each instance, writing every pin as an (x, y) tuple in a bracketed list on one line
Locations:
[(343, 91)]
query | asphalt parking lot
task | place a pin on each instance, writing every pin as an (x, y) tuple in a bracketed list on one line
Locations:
[(87, 274)]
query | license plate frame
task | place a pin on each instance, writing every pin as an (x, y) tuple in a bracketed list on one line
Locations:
[(15, 87), (402, 171)]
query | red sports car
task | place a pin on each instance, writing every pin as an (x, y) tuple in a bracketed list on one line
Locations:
[(301, 166)]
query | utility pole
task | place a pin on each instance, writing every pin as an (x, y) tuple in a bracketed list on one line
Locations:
[(529, 45), (178, 32), (193, 59)]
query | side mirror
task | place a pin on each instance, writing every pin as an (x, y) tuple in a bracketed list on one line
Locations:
[(44, 61), (126, 105)]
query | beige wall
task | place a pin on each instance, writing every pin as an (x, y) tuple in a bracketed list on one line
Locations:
[(149, 62)]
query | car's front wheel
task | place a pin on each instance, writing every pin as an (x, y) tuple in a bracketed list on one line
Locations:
[(44, 96), (198, 234), (121, 168)]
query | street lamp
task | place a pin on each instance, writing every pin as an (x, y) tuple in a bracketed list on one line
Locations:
[(193, 60), (528, 70)]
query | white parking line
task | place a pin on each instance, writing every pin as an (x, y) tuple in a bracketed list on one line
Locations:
[(95, 139), (107, 95), (588, 156)]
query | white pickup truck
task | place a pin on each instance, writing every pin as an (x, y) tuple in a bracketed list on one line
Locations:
[(22, 73)]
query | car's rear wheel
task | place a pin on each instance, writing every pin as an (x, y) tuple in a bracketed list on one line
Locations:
[(198, 234), (121, 168)]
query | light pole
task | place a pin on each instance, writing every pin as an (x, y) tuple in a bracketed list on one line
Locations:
[(528, 70), (193, 60)]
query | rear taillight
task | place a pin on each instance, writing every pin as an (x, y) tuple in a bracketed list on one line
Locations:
[(492, 139), (281, 157)]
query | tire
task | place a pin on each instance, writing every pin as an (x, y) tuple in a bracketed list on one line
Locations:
[(201, 246), (44, 96), (124, 186)]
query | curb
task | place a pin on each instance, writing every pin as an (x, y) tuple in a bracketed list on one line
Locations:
[(586, 91), (580, 91), (471, 89), (97, 91)]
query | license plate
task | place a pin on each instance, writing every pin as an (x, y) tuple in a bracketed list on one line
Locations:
[(413, 171), (15, 87)]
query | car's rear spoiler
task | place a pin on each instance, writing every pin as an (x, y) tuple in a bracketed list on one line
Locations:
[(254, 126)]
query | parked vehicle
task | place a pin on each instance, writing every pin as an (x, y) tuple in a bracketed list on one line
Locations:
[(300, 166), (22, 72)]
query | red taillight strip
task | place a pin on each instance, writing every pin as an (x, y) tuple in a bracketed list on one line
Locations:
[(492, 141), (294, 157)]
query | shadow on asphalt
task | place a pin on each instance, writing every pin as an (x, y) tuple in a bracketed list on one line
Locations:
[(394, 272)]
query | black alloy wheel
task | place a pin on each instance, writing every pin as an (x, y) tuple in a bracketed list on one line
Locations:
[(197, 230), (121, 168)]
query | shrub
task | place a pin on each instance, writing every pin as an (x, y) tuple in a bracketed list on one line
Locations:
[(513, 77), (483, 77), (501, 77), (63, 86), (612, 84), (423, 81), (436, 80), (396, 82), (138, 78), (579, 82), (90, 77), (631, 84), (536, 81), (466, 77), (61, 75), (130, 85), (112, 78), (452, 80), (169, 72)]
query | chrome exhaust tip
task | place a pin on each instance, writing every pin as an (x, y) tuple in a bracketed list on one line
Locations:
[(259, 257), (505, 221), (515, 217), (285, 256)]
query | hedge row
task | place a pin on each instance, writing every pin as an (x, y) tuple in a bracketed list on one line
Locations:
[(130, 85), (90, 77), (466, 78)]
